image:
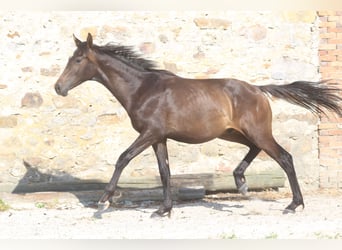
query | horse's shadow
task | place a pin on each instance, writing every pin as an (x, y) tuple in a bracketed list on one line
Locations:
[(36, 181), (88, 193)]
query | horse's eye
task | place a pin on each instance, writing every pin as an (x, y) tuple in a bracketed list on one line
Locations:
[(78, 59)]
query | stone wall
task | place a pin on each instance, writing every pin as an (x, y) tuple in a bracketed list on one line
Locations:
[(81, 136)]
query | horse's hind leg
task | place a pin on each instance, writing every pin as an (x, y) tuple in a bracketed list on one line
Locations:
[(239, 177), (284, 159)]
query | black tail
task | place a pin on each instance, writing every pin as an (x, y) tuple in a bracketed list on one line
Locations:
[(310, 95)]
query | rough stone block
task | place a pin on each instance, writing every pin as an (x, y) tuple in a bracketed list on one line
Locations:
[(8, 121), (54, 70), (32, 100), (300, 16), (212, 23), (84, 32)]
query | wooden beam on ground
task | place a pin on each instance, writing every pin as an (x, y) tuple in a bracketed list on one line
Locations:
[(184, 187)]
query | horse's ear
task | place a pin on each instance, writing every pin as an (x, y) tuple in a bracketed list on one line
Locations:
[(77, 41), (89, 41)]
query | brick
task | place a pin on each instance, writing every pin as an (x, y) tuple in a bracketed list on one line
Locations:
[(323, 30), (336, 64), (322, 52), (323, 41), (330, 156), (328, 69), (339, 179), (323, 18), (329, 161), (325, 141), (330, 132), (327, 46), (328, 35), (335, 168), (324, 126), (328, 58), (331, 118), (333, 18), (336, 30), (326, 13), (335, 40), (336, 52), (327, 25)]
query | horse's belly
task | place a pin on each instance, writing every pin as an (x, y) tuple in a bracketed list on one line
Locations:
[(198, 131)]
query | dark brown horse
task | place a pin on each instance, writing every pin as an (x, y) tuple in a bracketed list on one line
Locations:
[(162, 105)]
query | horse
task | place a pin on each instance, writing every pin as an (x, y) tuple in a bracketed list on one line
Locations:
[(162, 106)]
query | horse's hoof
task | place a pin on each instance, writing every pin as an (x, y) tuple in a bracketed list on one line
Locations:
[(160, 214), (289, 211), (101, 206), (243, 189)]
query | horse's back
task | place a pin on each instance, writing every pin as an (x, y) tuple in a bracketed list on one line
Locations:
[(197, 110)]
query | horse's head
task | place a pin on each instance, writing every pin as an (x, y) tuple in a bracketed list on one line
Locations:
[(80, 67)]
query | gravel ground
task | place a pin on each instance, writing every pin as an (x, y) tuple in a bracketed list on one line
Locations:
[(217, 216)]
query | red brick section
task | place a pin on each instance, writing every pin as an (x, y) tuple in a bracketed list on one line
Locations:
[(330, 129)]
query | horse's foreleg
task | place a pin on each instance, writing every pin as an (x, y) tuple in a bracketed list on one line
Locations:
[(160, 150), (140, 144)]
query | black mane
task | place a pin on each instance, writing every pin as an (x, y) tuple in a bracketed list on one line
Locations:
[(127, 55)]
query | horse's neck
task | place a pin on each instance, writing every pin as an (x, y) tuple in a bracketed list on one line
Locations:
[(121, 80)]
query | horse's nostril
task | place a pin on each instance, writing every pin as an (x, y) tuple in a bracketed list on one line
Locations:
[(57, 88)]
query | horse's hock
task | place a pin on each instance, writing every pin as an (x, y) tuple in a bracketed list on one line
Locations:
[(49, 141)]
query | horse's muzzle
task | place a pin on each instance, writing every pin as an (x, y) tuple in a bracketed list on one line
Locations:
[(59, 90)]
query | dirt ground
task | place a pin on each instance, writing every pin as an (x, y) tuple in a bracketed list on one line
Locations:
[(218, 216)]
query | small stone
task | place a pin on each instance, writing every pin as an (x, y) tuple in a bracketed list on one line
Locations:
[(32, 100), (256, 32), (199, 55), (147, 48), (45, 53), (27, 69), (171, 67), (163, 38), (13, 34), (108, 119)]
